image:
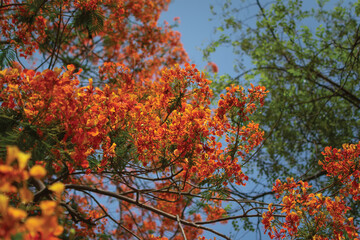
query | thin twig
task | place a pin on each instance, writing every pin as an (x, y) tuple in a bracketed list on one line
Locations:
[(109, 216), (181, 228), (142, 205)]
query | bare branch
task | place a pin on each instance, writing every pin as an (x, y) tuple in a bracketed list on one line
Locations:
[(181, 228), (142, 205)]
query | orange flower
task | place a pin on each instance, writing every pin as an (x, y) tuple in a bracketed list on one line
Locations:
[(4, 202), (57, 187), (26, 195), (37, 172), (48, 207)]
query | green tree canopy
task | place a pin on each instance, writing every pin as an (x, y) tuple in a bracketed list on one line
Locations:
[(307, 56)]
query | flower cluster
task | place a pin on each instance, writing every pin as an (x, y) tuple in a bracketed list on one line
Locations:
[(162, 126), (343, 164), (19, 217), (132, 121), (309, 215), (38, 26)]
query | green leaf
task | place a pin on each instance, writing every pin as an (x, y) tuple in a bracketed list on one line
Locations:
[(7, 56), (90, 21), (17, 236)]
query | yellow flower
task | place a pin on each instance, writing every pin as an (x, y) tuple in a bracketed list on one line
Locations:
[(7, 187), (26, 195), (23, 158), (16, 214), (34, 224), (58, 188), (5, 169), (37, 172), (12, 152), (58, 230), (48, 207), (4, 202), (3, 72)]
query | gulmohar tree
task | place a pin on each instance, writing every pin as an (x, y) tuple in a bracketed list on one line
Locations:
[(106, 114), (140, 134)]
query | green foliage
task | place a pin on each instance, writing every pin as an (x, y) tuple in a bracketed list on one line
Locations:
[(247, 225), (90, 21), (308, 59), (9, 130), (32, 10), (125, 150), (7, 56), (18, 236), (25, 135), (235, 225)]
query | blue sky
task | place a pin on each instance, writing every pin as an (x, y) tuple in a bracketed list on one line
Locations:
[(196, 32)]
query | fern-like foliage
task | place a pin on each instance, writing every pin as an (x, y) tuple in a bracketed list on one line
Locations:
[(32, 9), (90, 21), (7, 56)]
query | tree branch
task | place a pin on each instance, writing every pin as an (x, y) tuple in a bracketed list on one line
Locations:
[(142, 205)]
